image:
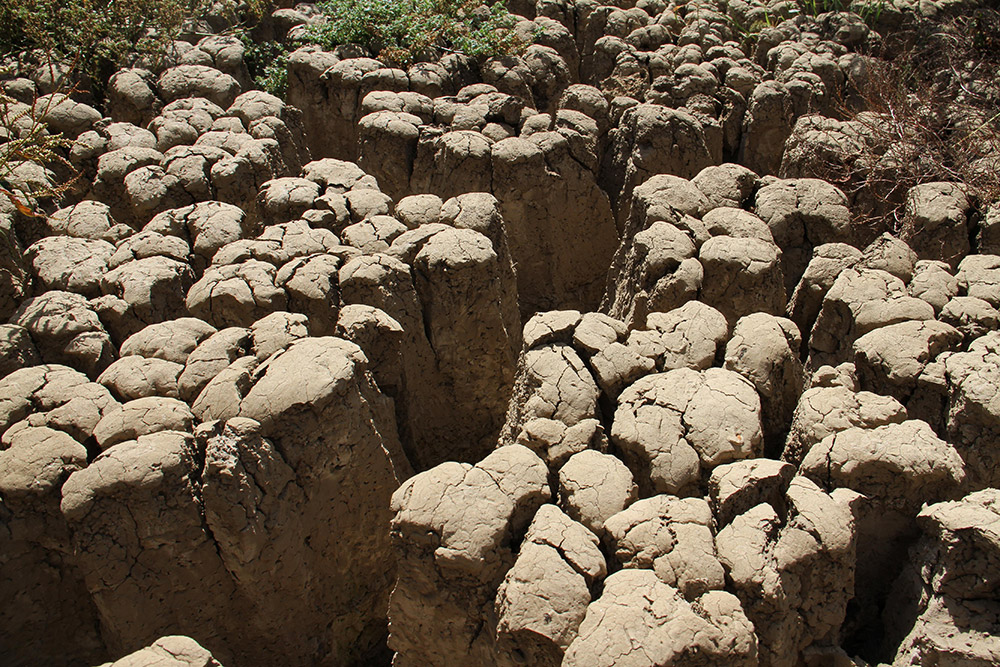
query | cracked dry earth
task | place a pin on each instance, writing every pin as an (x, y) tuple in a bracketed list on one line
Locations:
[(560, 359)]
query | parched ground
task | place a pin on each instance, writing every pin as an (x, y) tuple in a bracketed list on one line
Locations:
[(581, 357)]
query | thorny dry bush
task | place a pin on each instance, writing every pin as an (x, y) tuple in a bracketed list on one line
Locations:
[(76, 45), (25, 141), (929, 110)]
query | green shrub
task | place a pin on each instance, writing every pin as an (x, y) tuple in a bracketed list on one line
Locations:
[(25, 138), (267, 63), (97, 34), (85, 40), (768, 14), (400, 32), (869, 10), (89, 39)]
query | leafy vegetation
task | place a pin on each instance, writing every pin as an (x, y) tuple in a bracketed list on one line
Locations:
[(98, 35), (77, 41), (770, 14), (398, 33), (869, 10), (401, 32), (24, 138), (267, 63)]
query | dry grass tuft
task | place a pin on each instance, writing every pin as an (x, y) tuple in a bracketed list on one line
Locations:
[(928, 110)]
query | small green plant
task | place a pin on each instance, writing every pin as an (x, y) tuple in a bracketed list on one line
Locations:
[(24, 138), (747, 34), (98, 34), (769, 14), (747, 25), (267, 63), (869, 10), (401, 32)]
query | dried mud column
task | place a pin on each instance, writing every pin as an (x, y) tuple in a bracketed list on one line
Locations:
[(451, 163), (794, 574), (655, 268), (451, 292), (897, 468), (453, 534), (458, 278), (544, 596), (826, 263), (905, 361), (554, 407), (47, 414), (765, 350), (170, 651), (742, 277), (41, 588), (66, 329), (654, 139), (387, 148), (317, 561), (264, 537), (672, 428), (15, 282), (935, 222), (386, 283), (803, 213), (640, 620), (671, 536), (973, 415), (768, 123), (946, 604), (480, 211), (329, 94), (146, 557), (560, 224), (859, 301)]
